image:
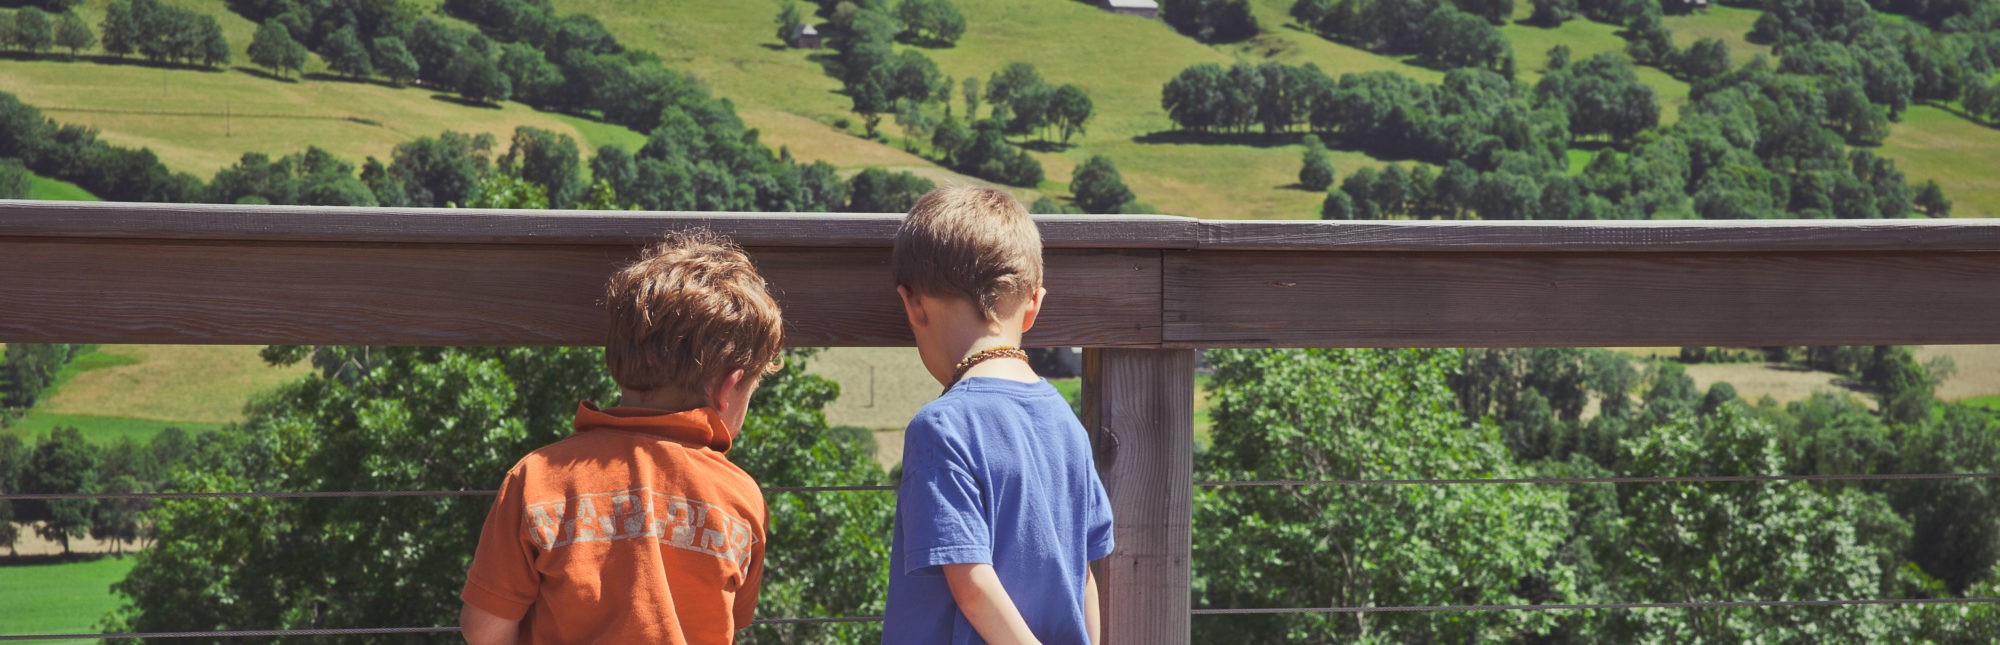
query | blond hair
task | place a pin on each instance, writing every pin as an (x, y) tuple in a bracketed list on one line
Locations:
[(966, 242), (687, 313)]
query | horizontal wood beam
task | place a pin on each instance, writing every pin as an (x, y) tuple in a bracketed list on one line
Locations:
[(195, 292), (154, 273), (236, 223), (1318, 299)]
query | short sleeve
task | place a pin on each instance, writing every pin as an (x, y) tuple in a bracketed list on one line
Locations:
[(941, 508), (1097, 522), (503, 580)]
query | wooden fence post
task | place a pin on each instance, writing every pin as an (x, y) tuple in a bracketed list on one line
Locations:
[(1139, 407)]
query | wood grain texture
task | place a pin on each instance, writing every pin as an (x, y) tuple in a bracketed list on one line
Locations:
[(1276, 299), (97, 291), (1589, 236), (1139, 409), (114, 220)]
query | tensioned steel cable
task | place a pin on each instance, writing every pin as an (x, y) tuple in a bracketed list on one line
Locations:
[(1693, 479), (1545, 481), (1693, 604), (363, 631), (369, 493)]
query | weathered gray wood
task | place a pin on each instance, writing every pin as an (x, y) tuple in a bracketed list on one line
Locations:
[(137, 291), (1590, 236), (1278, 299), (1139, 408), (110, 220)]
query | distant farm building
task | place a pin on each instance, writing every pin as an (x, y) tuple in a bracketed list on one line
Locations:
[(805, 37), (1140, 8)]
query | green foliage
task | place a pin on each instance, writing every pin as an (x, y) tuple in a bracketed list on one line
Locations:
[(393, 59), (1602, 96), (1454, 34), (1315, 170), (549, 160), (935, 23), (314, 177), (1098, 188), (1705, 58), (31, 31), (62, 463), (1210, 21), (73, 34), (1931, 200), (1372, 414), (274, 49), (879, 191), (164, 33), (15, 181)]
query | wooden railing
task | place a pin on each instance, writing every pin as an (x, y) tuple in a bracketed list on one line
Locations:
[(1138, 292)]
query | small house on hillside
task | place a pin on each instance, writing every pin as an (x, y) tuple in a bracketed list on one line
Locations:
[(1140, 8), (805, 37)]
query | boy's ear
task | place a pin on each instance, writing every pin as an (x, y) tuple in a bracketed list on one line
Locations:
[(1032, 308), (718, 393), (913, 307)]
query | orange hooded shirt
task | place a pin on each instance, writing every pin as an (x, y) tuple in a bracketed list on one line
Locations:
[(636, 529)]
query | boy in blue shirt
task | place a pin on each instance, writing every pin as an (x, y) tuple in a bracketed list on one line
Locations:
[(1000, 510)]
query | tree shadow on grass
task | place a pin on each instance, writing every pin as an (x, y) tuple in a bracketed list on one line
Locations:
[(50, 558), (456, 100), (1253, 139), (358, 80), (105, 59), (265, 75), (1046, 146)]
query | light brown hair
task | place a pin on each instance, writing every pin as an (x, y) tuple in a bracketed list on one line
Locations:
[(966, 242), (688, 312)]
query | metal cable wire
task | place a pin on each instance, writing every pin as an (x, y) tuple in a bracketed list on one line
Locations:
[(1697, 479), (367, 493), (1697, 604), (1592, 480), (240, 633), (363, 631)]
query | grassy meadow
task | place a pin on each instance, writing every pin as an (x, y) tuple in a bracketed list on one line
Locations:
[(56, 190), (1964, 158), (58, 598), (136, 391)]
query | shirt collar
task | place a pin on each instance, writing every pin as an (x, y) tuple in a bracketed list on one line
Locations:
[(700, 426)]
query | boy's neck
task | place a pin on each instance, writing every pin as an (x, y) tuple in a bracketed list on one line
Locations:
[(1011, 369), (660, 401)]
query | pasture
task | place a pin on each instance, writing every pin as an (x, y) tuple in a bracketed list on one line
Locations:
[(56, 598), (201, 121), (1931, 143)]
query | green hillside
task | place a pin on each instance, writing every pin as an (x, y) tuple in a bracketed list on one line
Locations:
[(57, 190)]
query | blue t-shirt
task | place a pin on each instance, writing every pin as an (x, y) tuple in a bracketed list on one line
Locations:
[(995, 472)]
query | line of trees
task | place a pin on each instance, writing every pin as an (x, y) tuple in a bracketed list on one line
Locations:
[(1439, 32), (164, 33), (27, 370), (63, 462), (35, 31)]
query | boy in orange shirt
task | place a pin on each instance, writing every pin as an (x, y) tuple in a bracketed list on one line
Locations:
[(638, 529)]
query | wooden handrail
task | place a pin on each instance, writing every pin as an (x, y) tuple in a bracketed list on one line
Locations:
[(174, 273), (1138, 291)]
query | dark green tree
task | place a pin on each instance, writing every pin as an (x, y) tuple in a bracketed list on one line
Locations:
[(1316, 169), (73, 34), (393, 60), (1097, 188), (274, 49), (345, 54), (880, 191), (33, 32), (935, 23), (550, 160), (63, 463), (1931, 200)]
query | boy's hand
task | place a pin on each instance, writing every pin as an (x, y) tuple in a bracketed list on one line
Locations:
[(483, 628), (986, 604)]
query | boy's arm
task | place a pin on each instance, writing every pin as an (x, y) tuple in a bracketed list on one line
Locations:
[(1092, 622), (976, 588), (482, 628)]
